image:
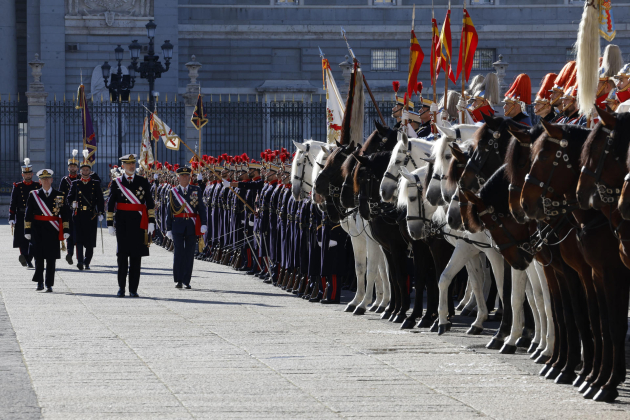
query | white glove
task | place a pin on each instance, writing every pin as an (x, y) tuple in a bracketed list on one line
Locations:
[(169, 235), (27, 236), (199, 177), (405, 116), (100, 217), (332, 243), (204, 228), (251, 223), (66, 235), (111, 230), (74, 205), (11, 222), (434, 107), (461, 105), (155, 176), (225, 183), (319, 243), (151, 228)]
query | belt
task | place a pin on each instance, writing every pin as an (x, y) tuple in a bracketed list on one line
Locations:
[(144, 222), (193, 216), (52, 219)]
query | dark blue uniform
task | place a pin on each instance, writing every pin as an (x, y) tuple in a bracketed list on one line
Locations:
[(64, 188), (181, 223), (17, 210), (88, 196)]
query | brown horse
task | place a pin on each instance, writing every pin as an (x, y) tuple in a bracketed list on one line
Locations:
[(555, 156)]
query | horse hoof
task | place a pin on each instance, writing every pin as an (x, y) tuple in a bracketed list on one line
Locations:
[(565, 378), (535, 354), (398, 319), (532, 347), (350, 308), (585, 385), (606, 395), (544, 370), (379, 310), (523, 342), (494, 344), (508, 349), (552, 374), (579, 380), (542, 359), (408, 324), (373, 308), (386, 315), (425, 323), (591, 392), (434, 327), (465, 312), (359, 311), (474, 330), (442, 328)]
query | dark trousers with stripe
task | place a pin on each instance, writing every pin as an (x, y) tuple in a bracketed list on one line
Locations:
[(129, 265), (89, 253)]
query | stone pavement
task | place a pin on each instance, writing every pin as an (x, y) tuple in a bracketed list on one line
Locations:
[(233, 347)]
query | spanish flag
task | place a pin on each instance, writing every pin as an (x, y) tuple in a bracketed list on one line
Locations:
[(198, 117), (416, 56), (467, 46), (446, 47), (435, 48)]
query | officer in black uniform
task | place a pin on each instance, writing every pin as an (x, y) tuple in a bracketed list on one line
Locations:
[(17, 209), (64, 187), (130, 197), (45, 225), (185, 221), (86, 198)]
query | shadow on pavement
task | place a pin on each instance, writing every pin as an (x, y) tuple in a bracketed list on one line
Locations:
[(207, 302)]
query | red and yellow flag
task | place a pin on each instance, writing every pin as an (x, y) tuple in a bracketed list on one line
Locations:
[(416, 56), (435, 48), (467, 46), (446, 47)]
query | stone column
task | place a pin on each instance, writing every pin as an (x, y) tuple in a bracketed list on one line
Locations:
[(500, 67), (190, 99), (36, 98), (8, 48)]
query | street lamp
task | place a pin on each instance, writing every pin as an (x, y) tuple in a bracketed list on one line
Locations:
[(151, 68), (119, 88)]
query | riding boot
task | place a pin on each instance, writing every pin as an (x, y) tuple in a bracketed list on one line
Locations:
[(301, 287), (295, 281), (285, 279), (316, 295), (278, 281)]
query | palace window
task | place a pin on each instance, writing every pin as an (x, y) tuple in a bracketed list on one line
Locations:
[(483, 59), (384, 2), (384, 59), (287, 2), (481, 2)]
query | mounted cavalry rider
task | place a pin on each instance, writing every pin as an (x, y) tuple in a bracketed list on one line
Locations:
[(485, 97), (611, 65), (542, 103), (46, 223), (517, 98), (131, 200), (88, 207), (186, 220), (622, 79), (17, 209)]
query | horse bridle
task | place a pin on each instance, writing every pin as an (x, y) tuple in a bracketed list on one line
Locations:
[(477, 161), (606, 194), (307, 159), (525, 245), (563, 206), (429, 228), (404, 162)]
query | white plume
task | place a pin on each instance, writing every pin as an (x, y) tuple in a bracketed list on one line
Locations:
[(27, 161), (588, 49), (86, 153), (75, 152)]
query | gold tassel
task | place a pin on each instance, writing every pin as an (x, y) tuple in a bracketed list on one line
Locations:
[(202, 245), (63, 246)]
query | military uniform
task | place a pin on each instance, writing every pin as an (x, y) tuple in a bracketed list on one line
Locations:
[(518, 97), (17, 210), (186, 220), (134, 221), (87, 203), (46, 223)]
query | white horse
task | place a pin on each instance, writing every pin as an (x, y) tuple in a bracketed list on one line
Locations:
[(370, 264)]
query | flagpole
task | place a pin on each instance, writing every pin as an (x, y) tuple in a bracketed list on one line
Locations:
[(199, 97), (433, 60), (465, 58), (448, 64)]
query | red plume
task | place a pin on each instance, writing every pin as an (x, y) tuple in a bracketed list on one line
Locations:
[(419, 88), (396, 85)]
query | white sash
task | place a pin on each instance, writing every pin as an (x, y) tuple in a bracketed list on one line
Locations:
[(44, 208), (130, 196), (182, 201)]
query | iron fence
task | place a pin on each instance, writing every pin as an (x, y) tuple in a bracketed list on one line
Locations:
[(65, 132), (12, 144)]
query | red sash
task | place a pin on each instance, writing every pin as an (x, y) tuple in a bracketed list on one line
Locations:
[(195, 217), (51, 219), (623, 96), (144, 222)]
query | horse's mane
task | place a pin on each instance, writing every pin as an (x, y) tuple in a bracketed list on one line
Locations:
[(494, 193), (575, 134), (403, 191), (480, 134), (333, 155), (372, 142), (621, 138), (439, 153), (427, 177), (468, 147), (515, 150), (348, 165)]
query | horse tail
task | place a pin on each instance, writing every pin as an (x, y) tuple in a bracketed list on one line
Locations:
[(588, 50)]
